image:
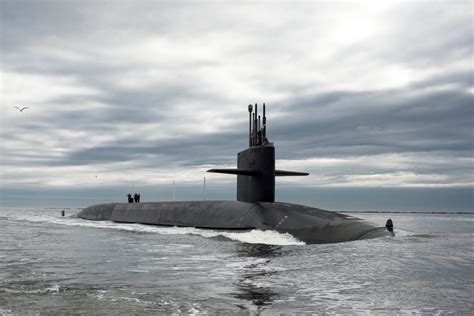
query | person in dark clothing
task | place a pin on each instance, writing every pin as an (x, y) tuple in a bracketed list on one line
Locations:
[(130, 200), (135, 197), (138, 195)]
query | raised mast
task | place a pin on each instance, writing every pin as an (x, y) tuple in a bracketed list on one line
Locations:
[(250, 125)]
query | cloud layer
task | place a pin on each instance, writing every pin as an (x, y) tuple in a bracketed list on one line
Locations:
[(358, 94)]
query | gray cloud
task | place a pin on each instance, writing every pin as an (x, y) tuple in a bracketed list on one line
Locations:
[(394, 121), (164, 86)]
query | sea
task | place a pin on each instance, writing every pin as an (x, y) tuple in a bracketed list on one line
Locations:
[(50, 264)]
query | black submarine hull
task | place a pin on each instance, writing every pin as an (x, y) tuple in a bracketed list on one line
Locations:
[(307, 224)]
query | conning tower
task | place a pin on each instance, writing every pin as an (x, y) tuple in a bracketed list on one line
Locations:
[(256, 164)]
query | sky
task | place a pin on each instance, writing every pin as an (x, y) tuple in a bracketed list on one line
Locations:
[(372, 98)]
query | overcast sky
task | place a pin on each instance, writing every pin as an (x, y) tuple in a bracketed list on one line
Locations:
[(126, 94)]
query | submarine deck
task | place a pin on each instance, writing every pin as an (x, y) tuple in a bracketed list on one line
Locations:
[(311, 225)]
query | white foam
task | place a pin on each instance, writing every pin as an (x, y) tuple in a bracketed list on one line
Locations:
[(255, 236), (56, 288), (269, 237)]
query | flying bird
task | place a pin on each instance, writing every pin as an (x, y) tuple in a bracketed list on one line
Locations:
[(23, 108)]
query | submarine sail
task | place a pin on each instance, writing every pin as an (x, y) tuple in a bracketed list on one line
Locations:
[(256, 164)]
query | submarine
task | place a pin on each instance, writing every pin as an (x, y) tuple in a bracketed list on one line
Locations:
[(255, 207)]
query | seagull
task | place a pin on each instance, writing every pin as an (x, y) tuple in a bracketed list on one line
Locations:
[(23, 108)]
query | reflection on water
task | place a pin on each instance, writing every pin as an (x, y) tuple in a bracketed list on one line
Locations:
[(252, 284), (258, 250)]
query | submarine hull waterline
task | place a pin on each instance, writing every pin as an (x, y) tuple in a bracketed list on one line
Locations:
[(307, 224)]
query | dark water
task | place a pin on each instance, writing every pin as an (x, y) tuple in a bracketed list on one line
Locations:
[(50, 264)]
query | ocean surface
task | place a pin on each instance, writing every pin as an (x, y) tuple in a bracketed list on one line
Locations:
[(65, 265)]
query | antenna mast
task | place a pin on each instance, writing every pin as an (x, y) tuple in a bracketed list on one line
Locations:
[(250, 125)]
